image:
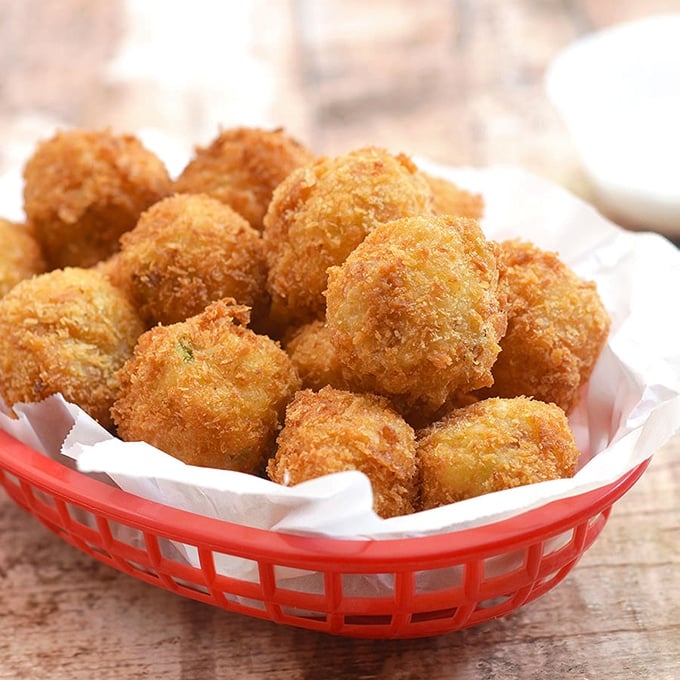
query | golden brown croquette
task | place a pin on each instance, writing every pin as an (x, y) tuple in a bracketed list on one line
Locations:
[(84, 188), (312, 352), (492, 445), (334, 431), (415, 312), (450, 199), (186, 252), (67, 331), (20, 256), (557, 327), (207, 390), (241, 167)]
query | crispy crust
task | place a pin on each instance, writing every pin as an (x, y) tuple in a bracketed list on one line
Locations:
[(66, 331), (20, 256), (492, 445), (186, 252), (333, 431), (312, 352), (241, 168), (415, 312), (450, 199), (557, 327), (83, 189), (207, 390)]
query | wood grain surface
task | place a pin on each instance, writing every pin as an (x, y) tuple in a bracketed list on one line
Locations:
[(457, 81)]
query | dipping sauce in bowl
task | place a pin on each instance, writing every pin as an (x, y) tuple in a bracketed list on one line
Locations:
[(618, 92)]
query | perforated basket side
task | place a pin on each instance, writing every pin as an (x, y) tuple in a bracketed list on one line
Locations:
[(397, 588)]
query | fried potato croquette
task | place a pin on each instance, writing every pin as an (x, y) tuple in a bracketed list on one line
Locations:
[(311, 350), (438, 363), (450, 199), (557, 327), (67, 331), (415, 312), (334, 431), (20, 256), (83, 189), (322, 211), (110, 268), (186, 252), (207, 390), (242, 167), (492, 445)]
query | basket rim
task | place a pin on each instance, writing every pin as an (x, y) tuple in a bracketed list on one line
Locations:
[(101, 499)]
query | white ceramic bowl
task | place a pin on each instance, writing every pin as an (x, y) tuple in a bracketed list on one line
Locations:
[(618, 92)]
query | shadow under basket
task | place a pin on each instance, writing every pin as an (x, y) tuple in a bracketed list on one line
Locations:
[(406, 588)]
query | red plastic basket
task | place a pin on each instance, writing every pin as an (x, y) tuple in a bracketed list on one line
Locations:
[(427, 586)]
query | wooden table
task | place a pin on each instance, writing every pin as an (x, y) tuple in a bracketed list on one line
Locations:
[(458, 81)]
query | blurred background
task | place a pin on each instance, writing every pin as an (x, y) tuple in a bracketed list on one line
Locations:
[(457, 81)]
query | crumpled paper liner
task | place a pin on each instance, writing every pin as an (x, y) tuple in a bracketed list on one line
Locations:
[(629, 409)]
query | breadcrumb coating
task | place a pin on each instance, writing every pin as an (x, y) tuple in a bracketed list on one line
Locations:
[(20, 256), (67, 331), (334, 431), (557, 327), (207, 390), (84, 188), (311, 350), (241, 167), (415, 312), (450, 199), (492, 445), (324, 210), (186, 252)]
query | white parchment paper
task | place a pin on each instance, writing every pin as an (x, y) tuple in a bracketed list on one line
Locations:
[(629, 409)]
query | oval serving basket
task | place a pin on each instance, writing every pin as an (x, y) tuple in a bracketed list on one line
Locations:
[(426, 585), (429, 585)]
